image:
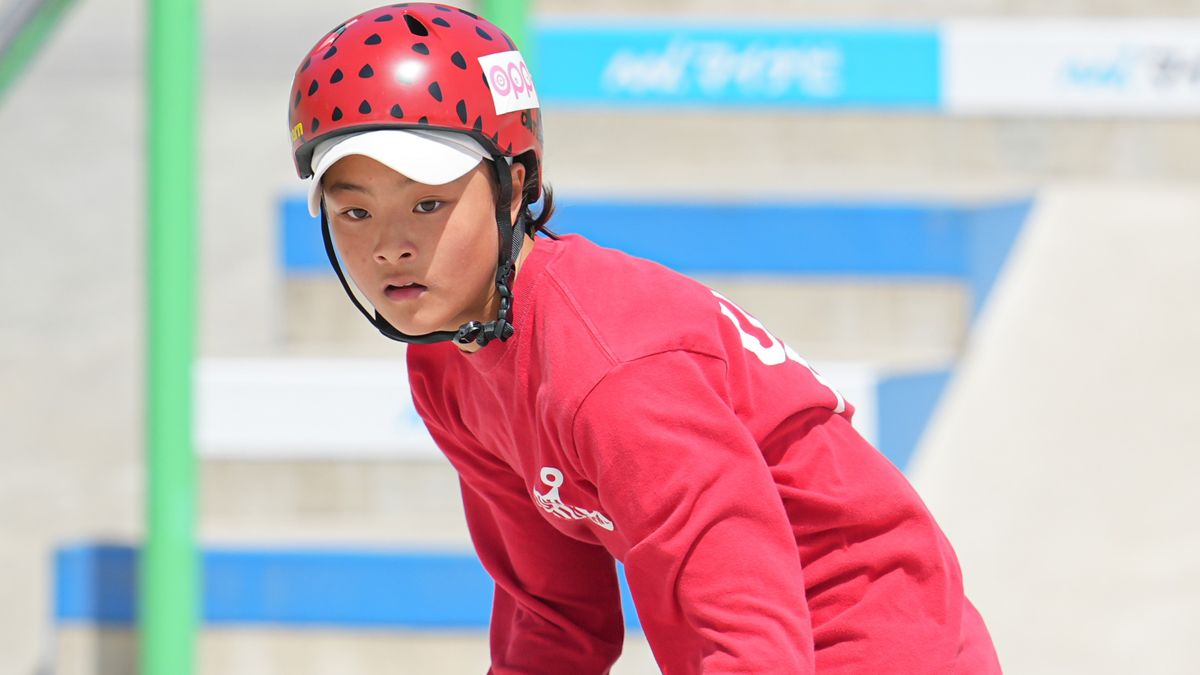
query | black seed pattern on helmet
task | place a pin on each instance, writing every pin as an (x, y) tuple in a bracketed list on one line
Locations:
[(397, 112), (316, 124), (383, 17), (329, 53), (364, 107), (435, 90), (473, 16), (304, 66), (496, 138), (509, 150), (421, 48), (486, 83), (482, 33), (423, 120), (366, 72), (478, 126), (373, 40), (296, 103), (336, 76), (458, 60), (337, 114), (442, 22), (312, 88), (442, 8), (461, 109), (415, 26)]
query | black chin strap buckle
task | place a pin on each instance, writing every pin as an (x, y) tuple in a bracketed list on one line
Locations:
[(500, 329), (469, 332)]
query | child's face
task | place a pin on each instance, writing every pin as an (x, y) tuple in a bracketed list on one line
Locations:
[(423, 255)]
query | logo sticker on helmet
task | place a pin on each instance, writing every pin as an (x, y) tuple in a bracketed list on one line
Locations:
[(510, 82)]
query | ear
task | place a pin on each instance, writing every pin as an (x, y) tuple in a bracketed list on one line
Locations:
[(518, 183)]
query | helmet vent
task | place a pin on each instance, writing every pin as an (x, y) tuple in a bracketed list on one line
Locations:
[(415, 26), (383, 17), (442, 22)]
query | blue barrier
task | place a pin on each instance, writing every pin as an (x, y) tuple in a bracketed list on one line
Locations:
[(97, 584), (904, 405), (862, 240), (687, 64)]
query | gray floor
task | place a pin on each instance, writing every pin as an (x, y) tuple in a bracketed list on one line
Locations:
[(1063, 464)]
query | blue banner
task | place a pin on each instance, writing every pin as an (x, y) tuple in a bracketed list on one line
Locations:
[(787, 66)]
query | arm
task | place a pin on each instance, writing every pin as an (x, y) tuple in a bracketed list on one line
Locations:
[(712, 564), (557, 606)]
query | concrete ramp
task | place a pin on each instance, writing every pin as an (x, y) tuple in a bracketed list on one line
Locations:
[(1064, 462)]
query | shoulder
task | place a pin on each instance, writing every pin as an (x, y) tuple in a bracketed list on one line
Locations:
[(624, 307)]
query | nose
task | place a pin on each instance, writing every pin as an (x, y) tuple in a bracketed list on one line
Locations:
[(394, 244)]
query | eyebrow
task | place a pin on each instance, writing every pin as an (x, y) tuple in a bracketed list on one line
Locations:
[(347, 187), (342, 185)]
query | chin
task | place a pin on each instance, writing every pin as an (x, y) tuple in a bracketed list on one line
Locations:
[(417, 325)]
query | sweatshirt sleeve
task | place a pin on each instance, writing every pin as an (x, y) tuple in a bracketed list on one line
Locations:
[(557, 606), (712, 563)]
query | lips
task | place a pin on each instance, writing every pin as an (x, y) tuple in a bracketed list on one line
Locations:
[(404, 291)]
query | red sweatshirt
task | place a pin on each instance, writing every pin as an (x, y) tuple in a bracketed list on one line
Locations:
[(640, 416)]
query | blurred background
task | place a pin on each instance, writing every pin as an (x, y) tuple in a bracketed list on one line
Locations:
[(980, 218)]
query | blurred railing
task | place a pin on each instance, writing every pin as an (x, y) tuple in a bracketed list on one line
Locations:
[(23, 30)]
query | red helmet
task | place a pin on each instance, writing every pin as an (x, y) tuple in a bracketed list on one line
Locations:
[(425, 66), (417, 65)]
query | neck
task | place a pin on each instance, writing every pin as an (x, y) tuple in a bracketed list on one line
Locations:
[(493, 305)]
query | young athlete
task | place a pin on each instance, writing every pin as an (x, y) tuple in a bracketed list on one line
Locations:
[(599, 407)]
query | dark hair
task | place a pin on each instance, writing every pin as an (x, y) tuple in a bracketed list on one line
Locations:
[(533, 224)]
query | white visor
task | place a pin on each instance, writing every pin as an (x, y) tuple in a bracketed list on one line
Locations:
[(430, 157)]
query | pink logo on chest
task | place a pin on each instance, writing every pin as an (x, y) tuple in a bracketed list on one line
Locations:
[(551, 503)]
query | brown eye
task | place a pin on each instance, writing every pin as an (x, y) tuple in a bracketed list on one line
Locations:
[(428, 206)]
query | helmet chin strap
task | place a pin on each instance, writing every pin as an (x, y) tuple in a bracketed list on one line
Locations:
[(512, 236)]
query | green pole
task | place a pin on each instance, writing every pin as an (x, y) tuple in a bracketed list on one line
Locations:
[(513, 17), (169, 563), (22, 32)]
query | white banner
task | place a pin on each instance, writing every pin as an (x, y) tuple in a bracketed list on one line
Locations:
[(296, 408), (1082, 67), (308, 408)]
